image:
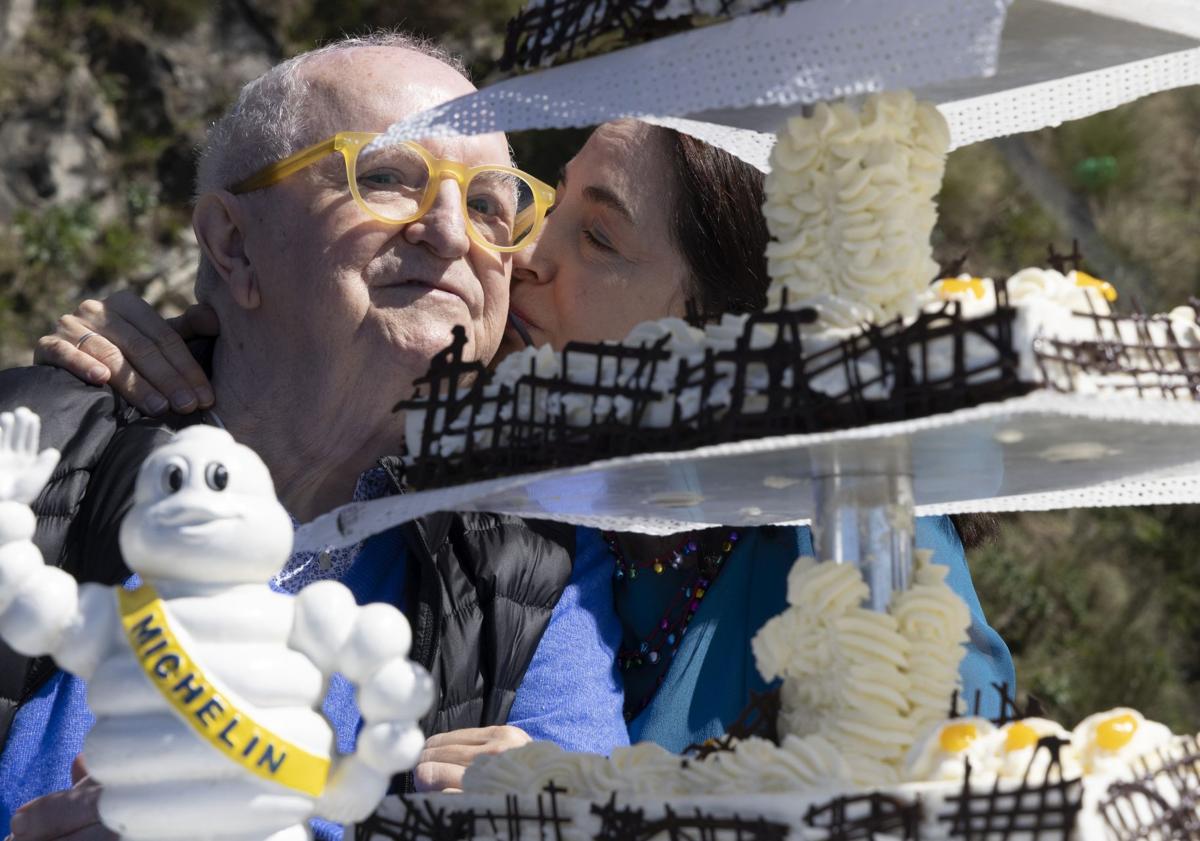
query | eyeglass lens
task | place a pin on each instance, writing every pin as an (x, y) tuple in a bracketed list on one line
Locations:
[(500, 205)]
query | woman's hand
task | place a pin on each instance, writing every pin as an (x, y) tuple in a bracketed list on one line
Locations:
[(74, 813), (122, 341), (447, 755)]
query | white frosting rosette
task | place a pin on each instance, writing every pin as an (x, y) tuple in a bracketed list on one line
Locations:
[(843, 669), (520, 769), (849, 203), (1110, 742), (934, 621), (943, 752), (1017, 757)]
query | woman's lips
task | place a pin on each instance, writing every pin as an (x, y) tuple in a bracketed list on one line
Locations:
[(520, 327)]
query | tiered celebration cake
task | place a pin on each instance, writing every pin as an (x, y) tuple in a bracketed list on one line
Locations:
[(860, 748), (861, 328)]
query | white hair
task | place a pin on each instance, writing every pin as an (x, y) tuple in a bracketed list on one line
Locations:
[(271, 119)]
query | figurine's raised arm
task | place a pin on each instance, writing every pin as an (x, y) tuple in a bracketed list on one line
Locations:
[(369, 645), (42, 609)]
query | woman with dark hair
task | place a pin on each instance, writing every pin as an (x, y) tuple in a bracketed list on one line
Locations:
[(648, 223), (651, 223)]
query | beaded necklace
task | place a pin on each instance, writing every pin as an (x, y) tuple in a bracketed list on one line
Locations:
[(657, 649), (669, 560)]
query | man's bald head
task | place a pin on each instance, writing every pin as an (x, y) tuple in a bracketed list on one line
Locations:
[(299, 102)]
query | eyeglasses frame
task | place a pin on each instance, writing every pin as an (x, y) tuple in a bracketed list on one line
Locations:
[(350, 143)]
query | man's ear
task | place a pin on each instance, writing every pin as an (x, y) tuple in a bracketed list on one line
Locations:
[(218, 221)]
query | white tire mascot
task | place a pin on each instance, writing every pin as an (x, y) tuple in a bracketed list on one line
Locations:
[(205, 684)]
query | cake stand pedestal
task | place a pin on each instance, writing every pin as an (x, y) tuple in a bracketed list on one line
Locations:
[(863, 515)]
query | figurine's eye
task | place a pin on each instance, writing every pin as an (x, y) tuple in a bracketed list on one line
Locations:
[(217, 476), (174, 475)]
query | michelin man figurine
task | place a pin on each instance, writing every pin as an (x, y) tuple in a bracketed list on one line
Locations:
[(205, 683)]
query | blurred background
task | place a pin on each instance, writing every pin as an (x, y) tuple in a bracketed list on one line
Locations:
[(103, 103)]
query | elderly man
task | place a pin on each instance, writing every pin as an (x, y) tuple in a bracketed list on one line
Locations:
[(335, 279)]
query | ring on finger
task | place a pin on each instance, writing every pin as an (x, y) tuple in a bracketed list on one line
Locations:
[(84, 338)]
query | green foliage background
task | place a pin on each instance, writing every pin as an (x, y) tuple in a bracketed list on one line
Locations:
[(1100, 607)]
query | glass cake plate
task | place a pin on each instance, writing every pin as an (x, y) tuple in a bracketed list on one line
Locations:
[(1039, 452)]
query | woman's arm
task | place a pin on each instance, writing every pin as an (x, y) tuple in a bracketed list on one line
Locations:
[(572, 693), (121, 341)]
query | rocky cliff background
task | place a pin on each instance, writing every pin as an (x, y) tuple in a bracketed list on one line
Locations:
[(103, 103)]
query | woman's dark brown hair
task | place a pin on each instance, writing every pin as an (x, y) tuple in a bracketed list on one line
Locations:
[(718, 226), (720, 230)]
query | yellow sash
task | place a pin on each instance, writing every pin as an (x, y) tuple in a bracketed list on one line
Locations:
[(207, 707)]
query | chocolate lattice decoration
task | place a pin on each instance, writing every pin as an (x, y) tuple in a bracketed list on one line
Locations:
[(559, 30), (1162, 802), (1044, 811), (1138, 354), (1010, 710), (866, 817), (886, 371), (628, 824), (759, 718), (422, 821)]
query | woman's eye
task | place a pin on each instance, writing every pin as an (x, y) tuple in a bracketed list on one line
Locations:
[(597, 239)]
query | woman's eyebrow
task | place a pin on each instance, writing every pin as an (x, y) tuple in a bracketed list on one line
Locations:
[(606, 197)]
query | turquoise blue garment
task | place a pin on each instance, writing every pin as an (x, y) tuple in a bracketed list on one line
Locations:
[(713, 671)]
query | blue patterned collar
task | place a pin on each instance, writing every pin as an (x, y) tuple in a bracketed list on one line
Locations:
[(304, 568)]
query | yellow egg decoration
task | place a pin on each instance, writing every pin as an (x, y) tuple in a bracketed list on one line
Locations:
[(1102, 286), (1116, 732), (949, 286), (1019, 736), (956, 738)]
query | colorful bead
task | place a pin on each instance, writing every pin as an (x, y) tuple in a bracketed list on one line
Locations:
[(672, 627)]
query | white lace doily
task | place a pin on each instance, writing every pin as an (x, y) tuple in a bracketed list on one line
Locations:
[(811, 51), (735, 83), (1068, 59), (1039, 452)]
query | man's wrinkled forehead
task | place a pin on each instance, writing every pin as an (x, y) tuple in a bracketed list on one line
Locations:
[(369, 89)]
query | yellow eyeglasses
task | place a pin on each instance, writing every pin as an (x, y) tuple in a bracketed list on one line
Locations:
[(504, 207)]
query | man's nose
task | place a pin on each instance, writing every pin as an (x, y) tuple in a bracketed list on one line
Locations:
[(443, 229)]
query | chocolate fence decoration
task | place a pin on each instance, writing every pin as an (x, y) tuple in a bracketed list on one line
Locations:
[(1010, 710), (759, 718), (866, 817), (1162, 800), (548, 31), (422, 821), (629, 824), (1043, 811), (1139, 354), (889, 372)]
